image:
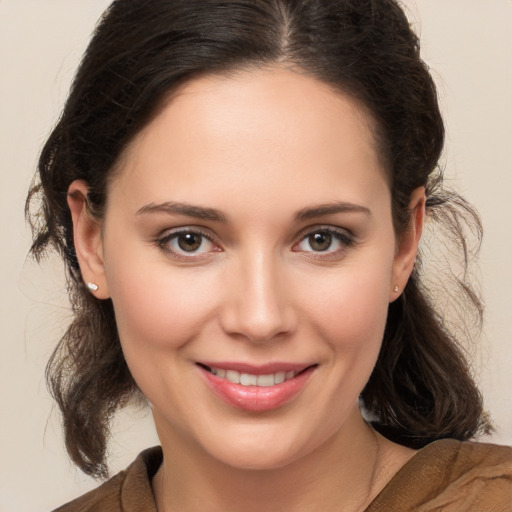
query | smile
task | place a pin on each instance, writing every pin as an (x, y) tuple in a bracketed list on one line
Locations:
[(256, 389), (247, 379)]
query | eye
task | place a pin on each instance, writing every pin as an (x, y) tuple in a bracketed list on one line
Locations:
[(328, 240), (190, 242), (320, 241), (187, 243)]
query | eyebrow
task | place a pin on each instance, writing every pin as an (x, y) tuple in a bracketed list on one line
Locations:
[(188, 210), (330, 209), (200, 212)]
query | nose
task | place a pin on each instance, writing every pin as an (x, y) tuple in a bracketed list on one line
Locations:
[(256, 305)]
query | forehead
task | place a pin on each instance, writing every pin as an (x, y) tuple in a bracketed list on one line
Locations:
[(271, 130)]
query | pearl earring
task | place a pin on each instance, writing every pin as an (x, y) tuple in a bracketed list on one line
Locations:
[(396, 289), (92, 287)]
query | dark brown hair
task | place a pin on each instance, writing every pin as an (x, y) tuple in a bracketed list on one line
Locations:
[(421, 388)]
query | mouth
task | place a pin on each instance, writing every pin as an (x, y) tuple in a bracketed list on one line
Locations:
[(252, 379), (256, 389)]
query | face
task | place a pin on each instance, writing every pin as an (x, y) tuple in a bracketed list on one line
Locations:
[(249, 252)]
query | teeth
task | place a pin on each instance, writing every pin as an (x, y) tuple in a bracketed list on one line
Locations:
[(247, 379), (266, 380), (233, 376), (279, 377)]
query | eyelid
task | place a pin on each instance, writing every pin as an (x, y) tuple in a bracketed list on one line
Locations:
[(162, 240), (326, 228), (343, 235)]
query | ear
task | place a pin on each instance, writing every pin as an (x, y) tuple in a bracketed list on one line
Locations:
[(87, 239), (407, 248)]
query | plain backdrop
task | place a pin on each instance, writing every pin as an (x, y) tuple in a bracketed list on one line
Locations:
[(467, 44)]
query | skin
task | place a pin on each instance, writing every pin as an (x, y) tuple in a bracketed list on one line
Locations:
[(260, 147)]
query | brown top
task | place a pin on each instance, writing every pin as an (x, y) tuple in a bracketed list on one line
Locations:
[(445, 476)]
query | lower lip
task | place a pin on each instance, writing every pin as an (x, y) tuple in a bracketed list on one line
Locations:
[(256, 398)]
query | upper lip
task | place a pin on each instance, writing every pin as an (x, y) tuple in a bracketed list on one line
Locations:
[(252, 369)]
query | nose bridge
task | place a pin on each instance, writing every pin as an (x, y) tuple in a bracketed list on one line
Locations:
[(257, 306)]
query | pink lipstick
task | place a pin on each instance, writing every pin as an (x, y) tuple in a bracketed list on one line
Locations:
[(255, 388)]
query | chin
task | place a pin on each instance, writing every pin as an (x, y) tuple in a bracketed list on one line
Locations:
[(257, 459), (261, 451)]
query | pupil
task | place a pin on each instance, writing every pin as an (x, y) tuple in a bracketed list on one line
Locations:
[(320, 241), (189, 242)]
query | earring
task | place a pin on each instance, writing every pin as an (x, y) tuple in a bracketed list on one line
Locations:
[(396, 289), (93, 287)]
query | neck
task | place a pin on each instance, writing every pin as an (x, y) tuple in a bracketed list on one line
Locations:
[(343, 474)]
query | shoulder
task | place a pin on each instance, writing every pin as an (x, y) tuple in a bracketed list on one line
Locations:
[(451, 476), (128, 491)]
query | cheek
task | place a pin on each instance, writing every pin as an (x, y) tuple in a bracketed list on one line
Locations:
[(158, 311), (158, 305), (350, 312), (347, 315)]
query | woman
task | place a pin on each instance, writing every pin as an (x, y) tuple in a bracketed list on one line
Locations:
[(239, 190)]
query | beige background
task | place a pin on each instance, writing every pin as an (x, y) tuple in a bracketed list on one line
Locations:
[(466, 42)]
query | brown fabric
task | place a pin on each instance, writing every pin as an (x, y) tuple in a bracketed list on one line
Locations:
[(128, 491), (445, 476), (450, 476)]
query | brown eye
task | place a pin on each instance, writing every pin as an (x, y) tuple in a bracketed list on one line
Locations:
[(189, 242), (330, 241), (321, 241)]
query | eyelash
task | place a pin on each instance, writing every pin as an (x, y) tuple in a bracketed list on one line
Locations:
[(345, 239), (164, 241)]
